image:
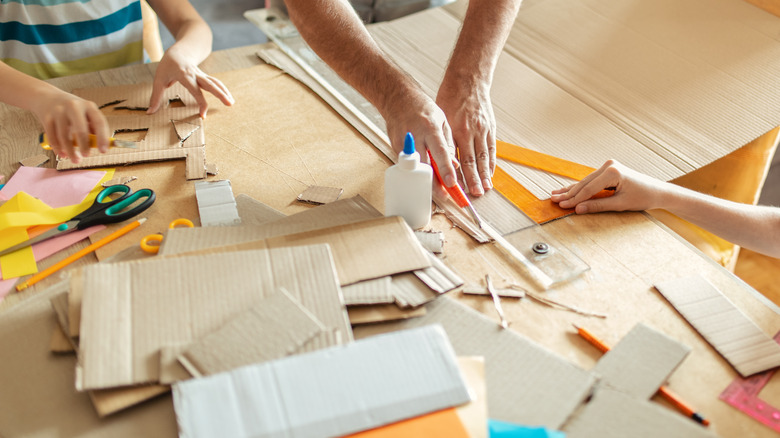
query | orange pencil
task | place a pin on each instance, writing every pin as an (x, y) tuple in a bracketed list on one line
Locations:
[(65, 262), (665, 392)]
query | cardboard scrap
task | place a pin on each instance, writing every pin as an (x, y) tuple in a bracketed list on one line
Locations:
[(119, 180), (276, 327), (130, 310), (641, 362), (376, 291), (254, 212), (34, 161), (433, 241), (613, 414), (331, 392), (526, 384), (410, 291), (320, 195), (381, 313), (738, 339), (439, 277), (216, 204), (212, 169)]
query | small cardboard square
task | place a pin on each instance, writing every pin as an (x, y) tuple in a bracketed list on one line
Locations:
[(130, 310), (738, 339), (641, 362), (216, 204), (333, 392), (276, 327), (320, 195)]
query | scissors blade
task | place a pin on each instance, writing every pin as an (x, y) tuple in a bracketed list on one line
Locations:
[(54, 232)]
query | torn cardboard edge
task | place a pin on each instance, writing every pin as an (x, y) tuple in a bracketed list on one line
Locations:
[(319, 195), (433, 241), (216, 204), (119, 180), (729, 331)]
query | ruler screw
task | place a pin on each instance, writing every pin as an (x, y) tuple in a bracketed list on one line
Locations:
[(541, 248)]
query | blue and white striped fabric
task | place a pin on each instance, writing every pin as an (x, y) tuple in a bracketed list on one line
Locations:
[(51, 38)]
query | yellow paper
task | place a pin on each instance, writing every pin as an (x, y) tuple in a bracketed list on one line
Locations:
[(24, 211)]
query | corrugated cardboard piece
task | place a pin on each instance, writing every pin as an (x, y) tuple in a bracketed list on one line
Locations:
[(216, 204), (641, 362), (738, 339), (254, 212), (174, 132), (320, 195), (376, 291), (276, 327), (131, 310), (330, 392), (526, 383), (381, 313)]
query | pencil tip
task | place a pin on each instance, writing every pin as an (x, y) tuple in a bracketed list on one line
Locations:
[(575, 326)]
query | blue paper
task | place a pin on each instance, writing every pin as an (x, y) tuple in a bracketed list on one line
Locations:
[(502, 429)]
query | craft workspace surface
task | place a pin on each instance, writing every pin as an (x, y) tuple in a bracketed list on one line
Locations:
[(280, 138)]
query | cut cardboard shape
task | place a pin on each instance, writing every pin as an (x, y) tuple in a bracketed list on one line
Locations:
[(38, 386), (433, 241), (331, 392), (162, 141), (611, 413), (410, 291), (35, 160), (254, 212), (381, 313), (376, 291), (439, 277), (526, 384), (274, 328), (320, 195), (641, 362), (216, 204), (130, 310), (738, 339)]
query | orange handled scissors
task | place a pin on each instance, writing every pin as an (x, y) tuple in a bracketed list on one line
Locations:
[(151, 243)]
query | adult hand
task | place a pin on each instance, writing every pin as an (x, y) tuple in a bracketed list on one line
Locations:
[(68, 120), (633, 191), (177, 66), (470, 115)]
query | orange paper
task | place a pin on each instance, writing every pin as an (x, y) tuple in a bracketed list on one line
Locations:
[(439, 424)]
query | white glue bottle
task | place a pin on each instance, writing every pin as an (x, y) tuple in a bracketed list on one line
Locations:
[(408, 187)]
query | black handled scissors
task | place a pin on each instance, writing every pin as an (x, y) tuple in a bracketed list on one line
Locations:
[(101, 211)]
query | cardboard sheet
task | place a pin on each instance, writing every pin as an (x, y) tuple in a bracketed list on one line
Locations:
[(526, 384), (439, 277), (376, 291), (130, 310), (410, 291), (38, 386), (381, 313), (330, 392), (320, 195), (165, 135), (641, 362), (254, 212), (276, 327), (607, 414), (216, 204), (738, 339)]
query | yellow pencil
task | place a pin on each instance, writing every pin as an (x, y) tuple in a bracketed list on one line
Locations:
[(61, 264)]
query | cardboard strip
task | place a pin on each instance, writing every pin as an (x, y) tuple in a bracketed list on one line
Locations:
[(641, 362), (439, 277), (738, 339), (276, 327), (376, 291), (216, 204), (410, 291), (381, 313), (332, 392)]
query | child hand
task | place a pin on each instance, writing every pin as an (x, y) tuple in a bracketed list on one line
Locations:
[(176, 66), (633, 191)]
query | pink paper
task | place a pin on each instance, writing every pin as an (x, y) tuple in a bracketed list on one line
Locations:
[(47, 248), (55, 188)]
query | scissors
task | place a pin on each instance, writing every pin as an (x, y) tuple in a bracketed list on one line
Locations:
[(101, 211), (151, 243)]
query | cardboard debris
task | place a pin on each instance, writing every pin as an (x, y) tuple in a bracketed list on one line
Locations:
[(131, 310), (410, 291), (439, 277), (34, 161), (526, 383), (332, 392), (613, 414), (433, 241), (320, 195), (738, 339), (38, 385), (503, 293), (161, 141), (212, 169), (641, 362), (184, 129), (216, 204), (381, 313), (376, 291), (119, 180), (276, 327), (254, 212)]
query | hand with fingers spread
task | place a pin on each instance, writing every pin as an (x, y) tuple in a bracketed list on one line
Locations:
[(633, 191)]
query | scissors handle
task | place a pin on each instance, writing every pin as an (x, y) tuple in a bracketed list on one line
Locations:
[(101, 204), (112, 211)]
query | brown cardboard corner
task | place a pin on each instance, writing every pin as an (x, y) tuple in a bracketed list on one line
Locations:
[(34, 161), (171, 370), (254, 212), (318, 195)]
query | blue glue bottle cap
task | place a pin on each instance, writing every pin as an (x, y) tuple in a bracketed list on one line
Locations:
[(409, 144)]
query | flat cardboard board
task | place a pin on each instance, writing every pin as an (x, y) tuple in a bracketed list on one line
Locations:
[(276, 327), (381, 313), (613, 414), (38, 386), (641, 362), (439, 277), (526, 384), (331, 392), (216, 204), (130, 310), (738, 339), (254, 212), (376, 291), (320, 195), (165, 135)]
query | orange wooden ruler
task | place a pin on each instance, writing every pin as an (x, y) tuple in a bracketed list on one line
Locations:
[(540, 210)]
